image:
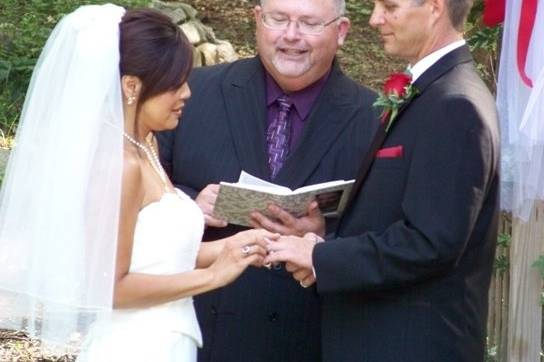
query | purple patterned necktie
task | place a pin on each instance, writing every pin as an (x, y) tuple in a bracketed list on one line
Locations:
[(278, 135)]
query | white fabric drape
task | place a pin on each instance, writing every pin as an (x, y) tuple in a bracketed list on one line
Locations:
[(59, 204), (521, 111)]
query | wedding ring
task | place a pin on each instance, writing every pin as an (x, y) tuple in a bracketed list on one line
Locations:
[(302, 284), (245, 250)]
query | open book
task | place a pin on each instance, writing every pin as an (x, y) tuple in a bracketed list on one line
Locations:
[(237, 200)]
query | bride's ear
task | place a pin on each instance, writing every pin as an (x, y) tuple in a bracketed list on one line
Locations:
[(131, 86)]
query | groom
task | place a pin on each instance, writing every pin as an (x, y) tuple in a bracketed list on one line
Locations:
[(406, 277)]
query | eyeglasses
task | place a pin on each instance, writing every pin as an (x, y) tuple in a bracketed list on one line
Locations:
[(276, 21)]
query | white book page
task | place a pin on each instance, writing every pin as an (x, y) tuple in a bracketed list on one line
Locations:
[(322, 185), (247, 179)]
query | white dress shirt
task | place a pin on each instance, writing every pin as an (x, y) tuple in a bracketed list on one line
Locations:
[(426, 62)]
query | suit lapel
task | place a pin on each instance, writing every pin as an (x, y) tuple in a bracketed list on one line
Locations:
[(244, 95), (437, 70), (332, 111), (442, 66)]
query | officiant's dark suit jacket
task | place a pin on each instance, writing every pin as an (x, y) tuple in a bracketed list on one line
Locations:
[(265, 315), (407, 277)]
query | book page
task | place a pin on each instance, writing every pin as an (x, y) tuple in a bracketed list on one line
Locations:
[(248, 179), (323, 185)]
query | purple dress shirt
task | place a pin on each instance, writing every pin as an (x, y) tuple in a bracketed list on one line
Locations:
[(303, 101)]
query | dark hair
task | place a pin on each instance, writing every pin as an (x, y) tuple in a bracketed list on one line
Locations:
[(155, 50)]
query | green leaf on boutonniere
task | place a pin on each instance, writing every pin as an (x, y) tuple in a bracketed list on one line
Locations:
[(397, 91)]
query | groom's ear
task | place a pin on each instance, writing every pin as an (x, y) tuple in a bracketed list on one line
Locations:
[(131, 85)]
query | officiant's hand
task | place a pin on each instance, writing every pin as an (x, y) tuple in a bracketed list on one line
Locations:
[(206, 201), (286, 224)]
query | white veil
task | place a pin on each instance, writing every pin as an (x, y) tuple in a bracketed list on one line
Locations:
[(60, 200), (521, 111)]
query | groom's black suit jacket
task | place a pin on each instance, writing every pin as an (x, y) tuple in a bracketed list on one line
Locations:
[(265, 315), (407, 276)]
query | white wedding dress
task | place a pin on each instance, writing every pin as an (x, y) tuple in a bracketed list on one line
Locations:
[(166, 241)]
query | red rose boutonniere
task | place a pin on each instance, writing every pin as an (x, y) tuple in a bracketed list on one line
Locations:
[(397, 90)]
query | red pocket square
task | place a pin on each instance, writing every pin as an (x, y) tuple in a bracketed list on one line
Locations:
[(390, 152)]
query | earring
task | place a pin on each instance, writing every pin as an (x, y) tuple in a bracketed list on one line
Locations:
[(130, 100)]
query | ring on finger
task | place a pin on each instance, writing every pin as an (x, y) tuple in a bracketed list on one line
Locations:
[(303, 285), (246, 250)]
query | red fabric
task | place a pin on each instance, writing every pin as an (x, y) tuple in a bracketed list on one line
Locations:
[(390, 152), (493, 12), (526, 23)]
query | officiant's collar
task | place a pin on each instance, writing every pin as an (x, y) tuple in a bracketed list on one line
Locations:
[(303, 99)]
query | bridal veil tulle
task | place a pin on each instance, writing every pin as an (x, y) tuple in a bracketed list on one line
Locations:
[(59, 204)]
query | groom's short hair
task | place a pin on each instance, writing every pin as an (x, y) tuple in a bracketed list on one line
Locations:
[(457, 11)]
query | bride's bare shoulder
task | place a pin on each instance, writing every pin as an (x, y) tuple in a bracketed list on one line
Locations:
[(132, 168)]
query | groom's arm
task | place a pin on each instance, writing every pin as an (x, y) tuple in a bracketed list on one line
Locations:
[(447, 184)]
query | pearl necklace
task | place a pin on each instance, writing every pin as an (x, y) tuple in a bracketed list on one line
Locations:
[(151, 156)]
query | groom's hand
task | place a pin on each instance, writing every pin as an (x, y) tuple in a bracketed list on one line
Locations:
[(294, 251), (304, 276), (206, 201), (284, 223)]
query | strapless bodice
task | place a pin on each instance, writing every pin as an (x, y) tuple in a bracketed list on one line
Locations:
[(166, 241)]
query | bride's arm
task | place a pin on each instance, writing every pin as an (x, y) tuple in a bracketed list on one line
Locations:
[(141, 290), (208, 252)]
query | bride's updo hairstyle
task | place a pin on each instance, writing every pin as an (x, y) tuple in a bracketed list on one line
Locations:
[(155, 50)]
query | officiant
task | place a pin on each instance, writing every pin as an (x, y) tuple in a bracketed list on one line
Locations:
[(290, 116)]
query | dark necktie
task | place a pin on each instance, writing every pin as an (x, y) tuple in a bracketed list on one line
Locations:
[(278, 135)]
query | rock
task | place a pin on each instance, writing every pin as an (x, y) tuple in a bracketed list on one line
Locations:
[(206, 33), (175, 10), (209, 53), (208, 49), (225, 52), (197, 58), (191, 31), (198, 33), (189, 10)]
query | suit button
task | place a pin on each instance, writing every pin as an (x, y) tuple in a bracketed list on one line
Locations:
[(277, 266), (273, 317), (213, 310)]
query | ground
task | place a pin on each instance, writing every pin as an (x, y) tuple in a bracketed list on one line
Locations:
[(361, 57)]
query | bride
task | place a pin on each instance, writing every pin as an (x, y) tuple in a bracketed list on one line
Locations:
[(88, 217)]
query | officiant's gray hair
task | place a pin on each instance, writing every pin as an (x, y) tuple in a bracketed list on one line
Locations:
[(340, 6)]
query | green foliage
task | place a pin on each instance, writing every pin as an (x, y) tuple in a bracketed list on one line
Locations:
[(359, 7), (501, 263), (491, 354), (501, 260), (484, 44), (24, 28), (504, 240), (539, 264)]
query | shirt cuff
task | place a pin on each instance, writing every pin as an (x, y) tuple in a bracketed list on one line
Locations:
[(318, 239)]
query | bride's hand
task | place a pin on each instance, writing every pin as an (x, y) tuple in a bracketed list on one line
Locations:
[(239, 251)]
